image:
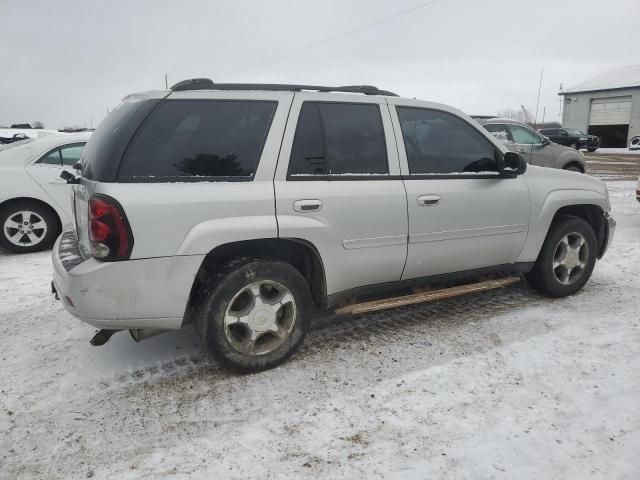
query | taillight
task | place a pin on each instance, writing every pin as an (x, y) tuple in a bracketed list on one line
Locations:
[(109, 232)]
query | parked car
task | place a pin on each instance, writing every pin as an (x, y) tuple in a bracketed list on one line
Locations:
[(536, 148), (34, 201), (572, 137), (244, 208)]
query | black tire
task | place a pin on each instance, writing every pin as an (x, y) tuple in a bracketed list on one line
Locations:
[(573, 168), (574, 145), (44, 241), (591, 150), (543, 277), (216, 295)]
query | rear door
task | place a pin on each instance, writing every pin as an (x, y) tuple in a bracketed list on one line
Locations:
[(338, 187), (46, 172), (463, 215)]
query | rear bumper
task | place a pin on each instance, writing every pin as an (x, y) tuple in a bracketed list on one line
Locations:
[(610, 230), (145, 293)]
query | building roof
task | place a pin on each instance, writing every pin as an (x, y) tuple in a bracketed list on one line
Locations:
[(623, 77)]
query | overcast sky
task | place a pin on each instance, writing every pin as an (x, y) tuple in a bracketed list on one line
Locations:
[(66, 62)]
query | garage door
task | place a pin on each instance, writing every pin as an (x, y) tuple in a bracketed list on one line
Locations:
[(610, 111)]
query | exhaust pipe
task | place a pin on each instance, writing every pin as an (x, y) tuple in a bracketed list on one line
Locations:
[(139, 334)]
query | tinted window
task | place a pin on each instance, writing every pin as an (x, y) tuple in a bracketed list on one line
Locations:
[(52, 158), (101, 156), (339, 138), (202, 138), (500, 131), (524, 136), (439, 142), (71, 154)]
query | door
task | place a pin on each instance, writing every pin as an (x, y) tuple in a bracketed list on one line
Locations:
[(531, 145), (610, 111), (463, 214), (46, 172), (338, 187)]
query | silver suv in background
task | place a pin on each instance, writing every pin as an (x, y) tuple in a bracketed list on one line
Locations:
[(243, 208), (536, 148)]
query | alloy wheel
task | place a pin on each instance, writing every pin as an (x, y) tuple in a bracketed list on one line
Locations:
[(260, 318), (25, 228), (570, 258)]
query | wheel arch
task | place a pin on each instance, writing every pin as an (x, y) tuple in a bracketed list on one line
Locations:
[(301, 254), (574, 163), (592, 214)]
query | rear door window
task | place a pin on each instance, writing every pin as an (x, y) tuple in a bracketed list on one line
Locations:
[(339, 139), (199, 140), (71, 154), (51, 158)]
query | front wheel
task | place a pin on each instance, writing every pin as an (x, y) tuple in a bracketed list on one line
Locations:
[(567, 258), (254, 316), (591, 150), (27, 226)]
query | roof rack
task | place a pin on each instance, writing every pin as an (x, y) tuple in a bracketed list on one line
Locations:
[(207, 84)]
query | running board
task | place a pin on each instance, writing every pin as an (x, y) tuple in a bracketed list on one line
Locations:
[(422, 297)]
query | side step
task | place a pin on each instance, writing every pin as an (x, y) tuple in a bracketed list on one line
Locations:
[(422, 297)]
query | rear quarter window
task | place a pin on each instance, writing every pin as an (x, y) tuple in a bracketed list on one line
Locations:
[(192, 140)]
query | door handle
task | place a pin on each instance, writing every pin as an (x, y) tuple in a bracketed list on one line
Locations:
[(57, 181), (429, 200), (304, 206)]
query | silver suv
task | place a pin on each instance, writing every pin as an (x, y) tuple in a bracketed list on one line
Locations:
[(243, 209), (534, 146)]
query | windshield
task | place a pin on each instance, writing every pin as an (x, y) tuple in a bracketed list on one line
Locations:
[(573, 131)]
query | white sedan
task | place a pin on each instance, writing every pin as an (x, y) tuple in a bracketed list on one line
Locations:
[(34, 200)]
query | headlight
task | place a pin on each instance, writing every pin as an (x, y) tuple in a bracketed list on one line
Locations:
[(583, 138)]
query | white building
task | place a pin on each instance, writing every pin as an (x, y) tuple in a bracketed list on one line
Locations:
[(607, 105)]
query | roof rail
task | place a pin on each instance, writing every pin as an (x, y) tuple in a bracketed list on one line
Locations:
[(207, 84)]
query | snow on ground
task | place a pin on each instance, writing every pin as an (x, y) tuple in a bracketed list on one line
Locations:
[(506, 384), (618, 151)]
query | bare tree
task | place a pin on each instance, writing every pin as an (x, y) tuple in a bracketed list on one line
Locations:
[(521, 115), (37, 124)]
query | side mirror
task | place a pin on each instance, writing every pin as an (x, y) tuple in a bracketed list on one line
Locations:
[(545, 141), (69, 177), (512, 164), (77, 166)]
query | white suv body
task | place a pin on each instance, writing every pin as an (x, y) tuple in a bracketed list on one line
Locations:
[(354, 191)]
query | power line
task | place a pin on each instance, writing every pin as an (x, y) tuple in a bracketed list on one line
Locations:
[(340, 35), (250, 26)]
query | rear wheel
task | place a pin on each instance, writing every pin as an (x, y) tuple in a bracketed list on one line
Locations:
[(254, 316), (27, 226), (567, 258)]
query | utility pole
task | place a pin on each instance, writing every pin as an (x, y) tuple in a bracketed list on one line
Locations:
[(538, 102)]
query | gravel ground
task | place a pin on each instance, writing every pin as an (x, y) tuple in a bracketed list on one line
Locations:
[(506, 384)]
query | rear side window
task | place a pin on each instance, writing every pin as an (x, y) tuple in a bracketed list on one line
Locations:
[(501, 132), (51, 158), (339, 139), (438, 142), (199, 140)]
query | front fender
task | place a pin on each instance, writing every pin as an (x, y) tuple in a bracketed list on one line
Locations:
[(544, 210)]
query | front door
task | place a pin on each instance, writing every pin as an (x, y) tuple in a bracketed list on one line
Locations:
[(338, 187), (463, 214), (530, 144)]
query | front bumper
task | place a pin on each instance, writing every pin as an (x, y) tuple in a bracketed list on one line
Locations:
[(610, 230), (144, 293)]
